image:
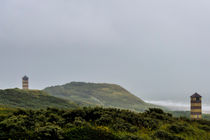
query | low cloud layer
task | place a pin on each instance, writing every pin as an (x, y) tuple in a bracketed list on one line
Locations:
[(179, 106)]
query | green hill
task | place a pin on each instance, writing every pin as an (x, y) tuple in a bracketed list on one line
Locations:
[(34, 99), (92, 94)]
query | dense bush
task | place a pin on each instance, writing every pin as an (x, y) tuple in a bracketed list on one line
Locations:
[(178, 128), (205, 127), (89, 133), (99, 123), (163, 135)]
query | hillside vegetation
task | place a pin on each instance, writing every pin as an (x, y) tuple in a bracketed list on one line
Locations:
[(187, 114), (100, 124), (34, 99), (92, 94)]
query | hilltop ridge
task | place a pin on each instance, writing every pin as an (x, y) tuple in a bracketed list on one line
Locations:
[(98, 94)]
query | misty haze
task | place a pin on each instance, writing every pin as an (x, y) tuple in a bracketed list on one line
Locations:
[(126, 54)]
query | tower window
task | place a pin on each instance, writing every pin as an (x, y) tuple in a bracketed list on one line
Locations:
[(197, 98)]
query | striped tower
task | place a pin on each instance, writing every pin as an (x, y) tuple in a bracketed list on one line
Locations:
[(196, 107), (25, 82)]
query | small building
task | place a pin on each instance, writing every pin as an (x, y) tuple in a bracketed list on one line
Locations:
[(25, 82), (196, 106)]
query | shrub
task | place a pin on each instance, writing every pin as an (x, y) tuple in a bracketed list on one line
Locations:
[(49, 132), (131, 137), (150, 123), (79, 121), (89, 133), (204, 127), (163, 135), (104, 120), (155, 110), (181, 128)]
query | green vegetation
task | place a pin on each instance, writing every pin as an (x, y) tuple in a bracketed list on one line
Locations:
[(34, 114), (187, 114), (92, 94), (34, 99), (100, 123)]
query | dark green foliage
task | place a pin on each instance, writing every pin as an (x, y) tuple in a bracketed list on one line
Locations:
[(158, 114), (89, 133), (205, 127), (122, 125), (48, 132), (181, 128), (131, 137), (163, 135), (99, 124), (104, 120)]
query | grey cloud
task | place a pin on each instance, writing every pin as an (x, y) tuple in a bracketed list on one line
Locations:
[(156, 49)]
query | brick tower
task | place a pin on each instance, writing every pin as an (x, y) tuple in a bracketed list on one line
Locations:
[(25, 82), (196, 107)]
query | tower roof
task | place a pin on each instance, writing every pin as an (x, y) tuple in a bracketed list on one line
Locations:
[(196, 95), (25, 78)]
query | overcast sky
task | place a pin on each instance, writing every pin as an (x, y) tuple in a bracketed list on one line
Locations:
[(157, 49)]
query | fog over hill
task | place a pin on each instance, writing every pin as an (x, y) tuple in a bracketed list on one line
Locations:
[(179, 106)]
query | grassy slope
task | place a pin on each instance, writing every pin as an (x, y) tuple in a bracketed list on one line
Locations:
[(107, 95), (33, 99)]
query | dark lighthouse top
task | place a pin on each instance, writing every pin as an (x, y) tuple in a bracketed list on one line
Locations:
[(195, 95), (25, 78)]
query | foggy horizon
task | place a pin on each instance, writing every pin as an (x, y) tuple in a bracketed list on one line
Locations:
[(157, 50)]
